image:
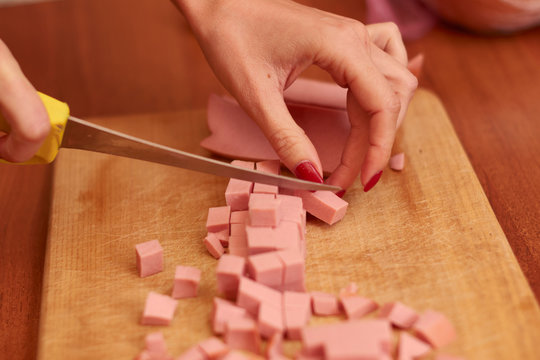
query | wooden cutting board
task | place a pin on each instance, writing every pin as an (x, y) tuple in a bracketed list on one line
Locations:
[(426, 236)]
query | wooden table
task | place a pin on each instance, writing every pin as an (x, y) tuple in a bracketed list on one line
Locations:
[(121, 57)]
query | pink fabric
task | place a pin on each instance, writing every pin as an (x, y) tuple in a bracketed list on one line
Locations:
[(149, 258), (412, 18)]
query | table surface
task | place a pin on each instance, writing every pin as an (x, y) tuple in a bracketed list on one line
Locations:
[(124, 57)]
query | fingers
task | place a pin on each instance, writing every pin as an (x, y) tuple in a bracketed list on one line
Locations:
[(23, 110), (386, 36), (375, 95), (291, 144)]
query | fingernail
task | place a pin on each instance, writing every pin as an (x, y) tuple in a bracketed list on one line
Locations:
[(306, 171), (371, 183), (340, 193)]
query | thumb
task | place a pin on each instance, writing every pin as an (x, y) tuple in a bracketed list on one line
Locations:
[(289, 140)]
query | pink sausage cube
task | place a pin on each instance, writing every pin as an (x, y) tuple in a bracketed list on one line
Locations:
[(270, 319), (193, 353), (260, 239), (264, 210), (149, 258), (239, 217), (397, 162), (287, 236), (294, 266), (435, 328), (274, 349), (213, 245), (324, 304), (411, 348), (158, 310), (155, 344), (269, 166), (356, 307), (251, 294), (266, 268), (237, 194), (218, 218), (222, 312), (291, 207), (324, 205), (259, 188), (399, 314), (229, 270), (242, 334), (213, 348), (297, 312), (186, 282), (144, 355), (238, 230)]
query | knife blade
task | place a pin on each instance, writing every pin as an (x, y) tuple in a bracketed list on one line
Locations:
[(73, 133)]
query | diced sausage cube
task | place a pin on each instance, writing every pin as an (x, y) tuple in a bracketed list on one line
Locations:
[(218, 218), (411, 348), (294, 268), (186, 282), (356, 307), (230, 269), (324, 205), (242, 334), (149, 258), (397, 162), (239, 217), (270, 319), (435, 328), (297, 312), (251, 294), (155, 344), (260, 239), (399, 314), (274, 349), (324, 304), (238, 191), (213, 348), (266, 268), (264, 210), (213, 245), (222, 312), (193, 353), (158, 309)]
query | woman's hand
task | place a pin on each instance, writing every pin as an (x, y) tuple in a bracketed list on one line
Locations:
[(257, 48), (23, 110)]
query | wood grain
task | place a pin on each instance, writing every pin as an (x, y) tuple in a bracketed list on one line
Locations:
[(426, 236), (125, 57)]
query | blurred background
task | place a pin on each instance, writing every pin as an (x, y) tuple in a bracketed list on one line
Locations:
[(118, 57)]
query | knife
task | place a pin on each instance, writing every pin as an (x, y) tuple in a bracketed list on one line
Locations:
[(73, 133)]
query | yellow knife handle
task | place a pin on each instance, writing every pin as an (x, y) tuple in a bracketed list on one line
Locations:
[(58, 115)]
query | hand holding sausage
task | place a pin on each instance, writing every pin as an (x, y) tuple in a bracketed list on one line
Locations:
[(257, 48)]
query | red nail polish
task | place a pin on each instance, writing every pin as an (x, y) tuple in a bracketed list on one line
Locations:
[(306, 171), (340, 193), (371, 183)]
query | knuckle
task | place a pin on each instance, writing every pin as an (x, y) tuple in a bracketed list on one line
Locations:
[(410, 82), (391, 28)]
